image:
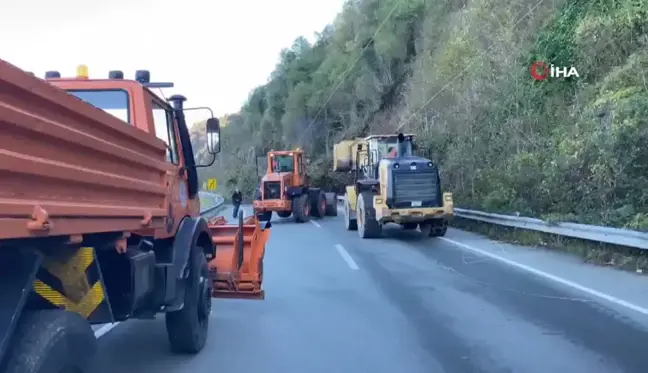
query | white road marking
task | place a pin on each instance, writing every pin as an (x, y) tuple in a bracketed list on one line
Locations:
[(104, 329), (315, 223), (347, 258), (548, 276)]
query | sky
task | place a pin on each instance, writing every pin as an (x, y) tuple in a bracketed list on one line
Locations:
[(215, 52)]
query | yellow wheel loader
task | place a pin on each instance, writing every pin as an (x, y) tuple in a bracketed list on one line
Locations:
[(391, 185)]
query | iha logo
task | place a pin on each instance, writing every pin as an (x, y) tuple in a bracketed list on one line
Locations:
[(542, 71)]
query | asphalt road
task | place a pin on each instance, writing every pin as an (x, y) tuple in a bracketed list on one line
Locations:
[(336, 304)]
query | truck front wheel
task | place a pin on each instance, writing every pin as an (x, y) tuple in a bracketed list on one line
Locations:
[(50, 341), (187, 328)]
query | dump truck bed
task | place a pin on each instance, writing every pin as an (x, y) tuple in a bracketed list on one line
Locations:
[(71, 164)]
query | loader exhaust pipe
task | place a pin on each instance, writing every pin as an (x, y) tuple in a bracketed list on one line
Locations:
[(401, 149)]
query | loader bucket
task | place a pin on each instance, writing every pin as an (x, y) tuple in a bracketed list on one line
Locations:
[(237, 268)]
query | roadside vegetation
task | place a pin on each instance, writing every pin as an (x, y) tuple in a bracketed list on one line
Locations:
[(456, 73)]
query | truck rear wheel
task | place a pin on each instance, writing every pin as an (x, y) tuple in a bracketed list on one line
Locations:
[(368, 226), (187, 328), (319, 205), (301, 208), (50, 341)]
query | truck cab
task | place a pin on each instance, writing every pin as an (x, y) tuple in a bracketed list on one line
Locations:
[(135, 104)]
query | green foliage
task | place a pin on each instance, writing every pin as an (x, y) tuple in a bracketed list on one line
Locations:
[(560, 148)]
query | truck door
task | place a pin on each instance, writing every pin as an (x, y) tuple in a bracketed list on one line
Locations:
[(165, 129)]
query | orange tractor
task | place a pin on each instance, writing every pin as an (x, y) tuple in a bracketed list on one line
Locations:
[(284, 189)]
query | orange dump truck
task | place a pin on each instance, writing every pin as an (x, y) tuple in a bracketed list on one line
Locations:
[(100, 222)]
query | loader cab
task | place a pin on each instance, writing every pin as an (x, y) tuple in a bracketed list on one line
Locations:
[(135, 104), (386, 146)]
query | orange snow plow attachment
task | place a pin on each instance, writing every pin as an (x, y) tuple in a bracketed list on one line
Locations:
[(237, 268)]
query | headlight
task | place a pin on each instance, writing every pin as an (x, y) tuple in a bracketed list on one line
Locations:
[(396, 165), (429, 164)]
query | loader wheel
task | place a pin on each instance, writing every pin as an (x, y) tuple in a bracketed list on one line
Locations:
[(284, 214), (331, 204), (50, 341), (187, 328), (319, 205), (439, 229), (368, 226), (301, 208), (426, 228), (350, 224)]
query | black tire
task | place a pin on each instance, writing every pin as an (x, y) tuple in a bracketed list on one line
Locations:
[(368, 226), (318, 204), (187, 328), (349, 223), (301, 208), (439, 229), (331, 204), (50, 341), (409, 226), (284, 214), (264, 216)]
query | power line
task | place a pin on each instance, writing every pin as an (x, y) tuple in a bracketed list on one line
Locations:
[(369, 42)]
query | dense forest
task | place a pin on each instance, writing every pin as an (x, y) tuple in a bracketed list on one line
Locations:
[(456, 73)]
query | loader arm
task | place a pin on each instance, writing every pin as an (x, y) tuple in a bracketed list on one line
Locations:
[(237, 267)]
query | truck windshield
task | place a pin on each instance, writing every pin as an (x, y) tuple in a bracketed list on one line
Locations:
[(114, 102)]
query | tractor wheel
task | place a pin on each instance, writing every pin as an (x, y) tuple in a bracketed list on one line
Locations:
[(319, 205), (284, 214), (301, 208), (50, 341), (368, 226), (331, 204)]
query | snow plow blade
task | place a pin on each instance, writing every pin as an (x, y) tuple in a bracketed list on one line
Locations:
[(237, 268)]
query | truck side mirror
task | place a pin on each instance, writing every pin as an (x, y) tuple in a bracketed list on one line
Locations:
[(213, 136)]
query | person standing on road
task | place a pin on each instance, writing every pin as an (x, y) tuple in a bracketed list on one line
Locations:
[(237, 197)]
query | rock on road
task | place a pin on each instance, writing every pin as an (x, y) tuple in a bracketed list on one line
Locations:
[(336, 304)]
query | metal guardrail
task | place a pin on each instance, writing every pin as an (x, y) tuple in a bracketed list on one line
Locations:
[(615, 236), (218, 202)]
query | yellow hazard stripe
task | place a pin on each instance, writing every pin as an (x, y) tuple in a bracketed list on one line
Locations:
[(77, 294), (88, 304)]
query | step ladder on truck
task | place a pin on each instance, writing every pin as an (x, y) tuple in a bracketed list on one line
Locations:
[(100, 219)]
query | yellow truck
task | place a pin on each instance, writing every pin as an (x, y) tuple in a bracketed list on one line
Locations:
[(391, 185)]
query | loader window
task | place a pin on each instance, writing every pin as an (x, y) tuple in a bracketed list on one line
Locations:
[(165, 130), (112, 101), (284, 163), (385, 148)]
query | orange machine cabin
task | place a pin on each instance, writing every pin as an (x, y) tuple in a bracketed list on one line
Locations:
[(71, 168), (286, 167)]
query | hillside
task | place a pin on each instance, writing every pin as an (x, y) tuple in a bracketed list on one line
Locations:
[(457, 74)]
